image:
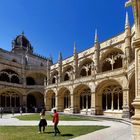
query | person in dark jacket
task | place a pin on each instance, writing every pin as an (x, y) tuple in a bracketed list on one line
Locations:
[(56, 121), (43, 122)]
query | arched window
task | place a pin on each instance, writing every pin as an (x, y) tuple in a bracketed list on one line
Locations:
[(112, 94), (67, 73), (53, 101), (10, 99), (15, 79), (54, 76), (112, 61), (4, 77), (83, 72), (85, 99), (8, 75), (67, 100), (85, 67), (106, 66), (118, 63), (66, 77), (54, 80), (30, 81)]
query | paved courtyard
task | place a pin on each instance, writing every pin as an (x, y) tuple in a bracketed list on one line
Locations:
[(118, 130)]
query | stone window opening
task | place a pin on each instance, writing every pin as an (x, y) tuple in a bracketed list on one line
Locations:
[(9, 99), (30, 81), (66, 101), (4, 77), (14, 79), (52, 101), (66, 77), (112, 99), (54, 80), (112, 61), (9, 76), (68, 73), (85, 70), (85, 100)]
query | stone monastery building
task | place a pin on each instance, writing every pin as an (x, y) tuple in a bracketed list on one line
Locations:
[(99, 80)]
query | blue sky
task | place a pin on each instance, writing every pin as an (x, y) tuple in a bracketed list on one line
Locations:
[(54, 25)]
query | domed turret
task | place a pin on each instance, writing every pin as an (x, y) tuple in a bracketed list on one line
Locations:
[(21, 44)]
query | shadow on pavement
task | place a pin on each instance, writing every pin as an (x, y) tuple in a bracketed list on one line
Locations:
[(65, 135)]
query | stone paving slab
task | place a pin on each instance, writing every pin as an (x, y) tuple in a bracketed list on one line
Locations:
[(115, 132)]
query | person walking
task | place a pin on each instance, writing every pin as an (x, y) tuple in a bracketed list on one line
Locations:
[(20, 110), (56, 121), (42, 122)]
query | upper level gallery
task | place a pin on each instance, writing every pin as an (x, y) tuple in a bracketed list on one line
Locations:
[(113, 56)]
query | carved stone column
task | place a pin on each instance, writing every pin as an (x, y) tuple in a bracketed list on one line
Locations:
[(126, 113), (136, 103), (56, 102), (24, 102), (93, 110), (136, 118), (72, 103)]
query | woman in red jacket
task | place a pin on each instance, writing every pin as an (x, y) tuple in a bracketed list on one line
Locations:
[(55, 121)]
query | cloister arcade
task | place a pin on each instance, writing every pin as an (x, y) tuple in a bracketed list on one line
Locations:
[(8, 75), (112, 59), (10, 99)]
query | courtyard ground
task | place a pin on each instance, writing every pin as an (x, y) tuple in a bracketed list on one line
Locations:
[(118, 130)]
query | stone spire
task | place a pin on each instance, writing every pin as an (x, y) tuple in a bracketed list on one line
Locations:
[(96, 51), (75, 62), (60, 56), (127, 39), (22, 33), (96, 37), (60, 67), (75, 51), (127, 25)]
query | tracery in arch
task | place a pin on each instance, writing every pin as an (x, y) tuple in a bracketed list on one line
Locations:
[(113, 60), (8, 75), (86, 67), (112, 98)]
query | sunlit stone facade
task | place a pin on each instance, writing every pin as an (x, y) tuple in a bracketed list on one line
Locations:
[(22, 75), (98, 81)]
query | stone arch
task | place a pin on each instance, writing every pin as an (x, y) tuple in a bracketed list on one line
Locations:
[(35, 78), (109, 98), (50, 100), (10, 99), (8, 75), (30, 81), (63, 97), (82, 99), (35, 101), (112, 59), (15, 79), (54, 77), (11, 69), (85, 67), (67, 73), (4, 77)]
